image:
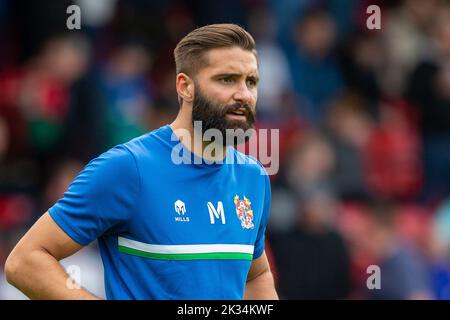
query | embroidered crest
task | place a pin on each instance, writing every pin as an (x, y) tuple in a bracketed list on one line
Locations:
[(244, 212)]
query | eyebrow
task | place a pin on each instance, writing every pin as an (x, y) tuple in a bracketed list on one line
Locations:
[(237, 75)]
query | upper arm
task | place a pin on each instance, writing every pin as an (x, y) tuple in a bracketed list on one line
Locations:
[(101, 199), (46, 235), (259, 266)]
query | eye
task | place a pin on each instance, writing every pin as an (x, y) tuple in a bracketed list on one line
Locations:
[(251, 83), (226, 80)]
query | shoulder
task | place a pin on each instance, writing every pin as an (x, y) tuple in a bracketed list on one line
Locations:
[(139, 145), (110, 167), (143, 149), (149, 143), (122, 158)]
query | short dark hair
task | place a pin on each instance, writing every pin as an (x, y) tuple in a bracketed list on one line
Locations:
[(189, 52)]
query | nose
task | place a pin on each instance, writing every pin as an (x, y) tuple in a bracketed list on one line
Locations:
[(244, 95)]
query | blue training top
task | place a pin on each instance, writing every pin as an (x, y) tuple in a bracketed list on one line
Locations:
[(167, 230)]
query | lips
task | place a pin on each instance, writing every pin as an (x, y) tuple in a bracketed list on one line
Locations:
[(239, 113), (233, 116)]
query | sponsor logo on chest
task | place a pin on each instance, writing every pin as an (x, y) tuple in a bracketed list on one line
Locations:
[(216, 212)]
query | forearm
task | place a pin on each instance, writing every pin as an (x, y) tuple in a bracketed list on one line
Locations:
[(261, 288), (40, 276)]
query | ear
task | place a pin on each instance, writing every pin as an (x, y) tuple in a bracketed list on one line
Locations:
[(185, 87)]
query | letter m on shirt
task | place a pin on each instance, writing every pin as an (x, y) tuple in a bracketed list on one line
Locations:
[(216, 213)]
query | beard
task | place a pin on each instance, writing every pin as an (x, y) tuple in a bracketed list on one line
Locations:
[(214, 116)]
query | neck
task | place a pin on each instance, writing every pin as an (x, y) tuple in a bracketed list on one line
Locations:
[(193, 139)]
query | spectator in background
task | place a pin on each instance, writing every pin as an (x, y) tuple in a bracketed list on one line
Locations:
[(429, 90), (85, 136), (406, 39), (311, 164), (362, 62), (310, 255), (349, 129), (128, 93), (177, 20), (393, 156), (311, 258), (274, 74), (36, 97), (403, 272), (277, 106), (286, 13), (35, 106), (314, 69)]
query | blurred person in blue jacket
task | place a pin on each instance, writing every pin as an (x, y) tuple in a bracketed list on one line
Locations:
[(315, 71), (403, 272), (128, 93)]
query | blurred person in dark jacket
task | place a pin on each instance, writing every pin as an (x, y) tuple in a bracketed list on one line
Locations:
[(311, 257), (349, 128), (429, 90)]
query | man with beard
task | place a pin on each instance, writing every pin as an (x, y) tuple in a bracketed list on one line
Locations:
[(168, 230)]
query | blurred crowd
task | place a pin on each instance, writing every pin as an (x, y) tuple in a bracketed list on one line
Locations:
[(364, 119)]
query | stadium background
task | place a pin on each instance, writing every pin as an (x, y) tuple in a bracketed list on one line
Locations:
[(364, 119)]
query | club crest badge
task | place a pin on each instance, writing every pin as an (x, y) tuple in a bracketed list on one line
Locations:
[(244, 212)]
